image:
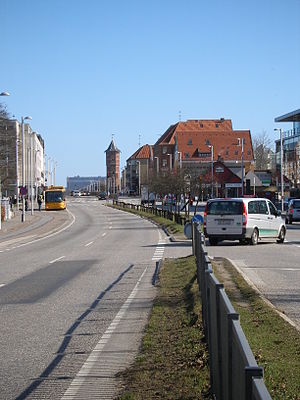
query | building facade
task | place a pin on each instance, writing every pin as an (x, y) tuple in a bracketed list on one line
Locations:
[(11, 158), (139, 168), (96, 183), (290, 148)]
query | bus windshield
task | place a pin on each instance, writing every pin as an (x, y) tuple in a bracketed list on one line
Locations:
[(54, 197)]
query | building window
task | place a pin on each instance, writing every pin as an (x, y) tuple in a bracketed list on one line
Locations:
[(164, 162), (190, 142), (201, 125), (164, 150), (217, 125), (236, 152), (187, 155)]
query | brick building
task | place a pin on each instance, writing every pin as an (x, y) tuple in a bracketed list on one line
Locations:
[(112, 169)]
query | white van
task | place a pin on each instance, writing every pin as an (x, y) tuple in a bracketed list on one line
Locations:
[(243, 219)]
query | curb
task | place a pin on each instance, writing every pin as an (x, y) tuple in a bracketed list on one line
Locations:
[(271, 305)]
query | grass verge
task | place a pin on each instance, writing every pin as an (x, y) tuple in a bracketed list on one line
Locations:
[(273, 341), (173, 362), (171, 226)]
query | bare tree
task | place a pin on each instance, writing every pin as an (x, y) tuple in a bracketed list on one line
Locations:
[(3, 111), (262, 150)]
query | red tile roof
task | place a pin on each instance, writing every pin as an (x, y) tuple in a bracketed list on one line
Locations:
[(143, 152), (193, 138)]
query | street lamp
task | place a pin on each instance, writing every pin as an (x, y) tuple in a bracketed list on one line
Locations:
[(170, 155), (157, 164), (1, 94), (241, 143), (212, 169), (281, 166), (139, 163), (23, 167), (180, 159)]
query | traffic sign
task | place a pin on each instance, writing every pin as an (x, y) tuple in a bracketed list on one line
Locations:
[(188, 230), (198, 218)]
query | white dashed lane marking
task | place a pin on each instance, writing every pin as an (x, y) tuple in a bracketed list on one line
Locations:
[(159, 251), (88, 244), (57, 259)]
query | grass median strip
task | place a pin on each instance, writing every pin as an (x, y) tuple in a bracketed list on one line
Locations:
[(173, 362), (171, 226), (273, 341)]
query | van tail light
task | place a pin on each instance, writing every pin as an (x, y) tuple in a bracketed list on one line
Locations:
[(244, 214), (205, 214)]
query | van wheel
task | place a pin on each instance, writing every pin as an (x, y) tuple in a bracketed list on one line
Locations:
[(254, 237), (281, 236), (213, 241)]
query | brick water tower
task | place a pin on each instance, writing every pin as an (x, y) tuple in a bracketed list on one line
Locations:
[(112, 169)]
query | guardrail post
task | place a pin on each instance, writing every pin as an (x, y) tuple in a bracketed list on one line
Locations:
[(251, 372), (230, 317)]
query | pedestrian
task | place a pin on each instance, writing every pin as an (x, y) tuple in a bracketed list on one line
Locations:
[(40, 200), (26, 205)]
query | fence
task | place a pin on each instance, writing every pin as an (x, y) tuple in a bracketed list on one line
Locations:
[(234, 373), (161, 212)]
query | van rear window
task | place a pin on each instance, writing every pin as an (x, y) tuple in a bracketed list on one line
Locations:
[(296, 204), (225, 208)]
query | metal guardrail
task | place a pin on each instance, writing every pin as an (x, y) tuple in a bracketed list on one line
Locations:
[(234, 373), (172, 216)]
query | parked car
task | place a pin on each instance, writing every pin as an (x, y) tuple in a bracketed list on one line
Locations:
[(245, 219), (293, 211)]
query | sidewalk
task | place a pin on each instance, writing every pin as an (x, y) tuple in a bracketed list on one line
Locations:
[(41, 223)]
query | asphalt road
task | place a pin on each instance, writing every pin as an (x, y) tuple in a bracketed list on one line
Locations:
[(74, 305), (273, 268)]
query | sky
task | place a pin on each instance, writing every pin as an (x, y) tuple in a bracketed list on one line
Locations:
[(85, 70)]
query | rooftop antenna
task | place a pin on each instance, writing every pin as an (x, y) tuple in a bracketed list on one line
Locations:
[(139, 140), (179, 115)]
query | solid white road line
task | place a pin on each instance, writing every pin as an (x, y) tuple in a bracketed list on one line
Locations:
[(57, 259), (88, 244), (95, 355)]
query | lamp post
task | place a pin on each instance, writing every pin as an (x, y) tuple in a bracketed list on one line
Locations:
[(281, 166), (212, 169), (157, 164), (54, 180), (139, 164), (1, 94), (241, 143), (23, 167), (170, 155), (180, 159)]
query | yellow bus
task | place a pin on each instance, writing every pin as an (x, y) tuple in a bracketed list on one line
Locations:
[(55, 198)]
